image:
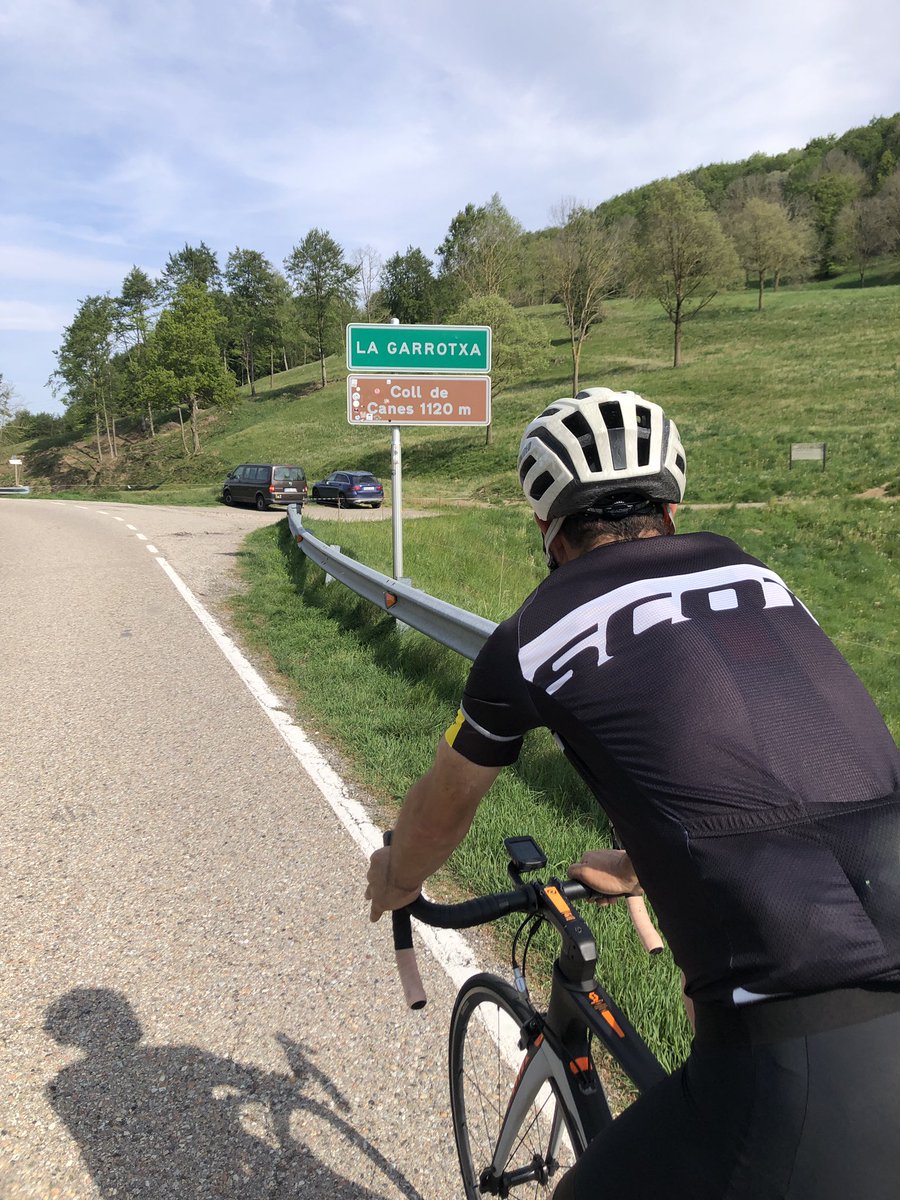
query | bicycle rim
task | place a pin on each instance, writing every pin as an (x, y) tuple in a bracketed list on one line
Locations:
[(485, 1028)]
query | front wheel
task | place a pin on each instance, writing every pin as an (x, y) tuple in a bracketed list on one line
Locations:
[(227, 497), (512, 1130)]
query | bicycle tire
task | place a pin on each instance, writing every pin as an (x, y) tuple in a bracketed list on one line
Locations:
[(482, 1084)]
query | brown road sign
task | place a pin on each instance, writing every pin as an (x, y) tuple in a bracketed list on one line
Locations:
[(418, 400)]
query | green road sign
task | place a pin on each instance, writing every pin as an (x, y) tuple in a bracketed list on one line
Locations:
[(460, 349)]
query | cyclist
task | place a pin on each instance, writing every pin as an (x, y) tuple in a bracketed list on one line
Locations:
[(756, 791)]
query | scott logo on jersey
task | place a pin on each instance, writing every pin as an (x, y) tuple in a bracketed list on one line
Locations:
[(607, 623)]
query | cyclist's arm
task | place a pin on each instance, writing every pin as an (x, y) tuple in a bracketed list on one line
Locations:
[(436, 815)]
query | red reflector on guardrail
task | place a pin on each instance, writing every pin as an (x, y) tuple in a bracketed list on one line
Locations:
[(390, 599), (299, 538)]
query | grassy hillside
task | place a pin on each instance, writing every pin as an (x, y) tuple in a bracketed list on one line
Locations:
[(817, 364)]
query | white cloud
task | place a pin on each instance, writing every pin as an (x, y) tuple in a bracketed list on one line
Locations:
[(41, 265), (22, 316)]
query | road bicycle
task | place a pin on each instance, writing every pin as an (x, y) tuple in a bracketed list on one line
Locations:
[(525, 1094)]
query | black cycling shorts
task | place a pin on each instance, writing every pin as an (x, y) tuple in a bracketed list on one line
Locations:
[(795, 1099)]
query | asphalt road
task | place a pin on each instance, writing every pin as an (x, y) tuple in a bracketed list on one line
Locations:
[(193, 1001)]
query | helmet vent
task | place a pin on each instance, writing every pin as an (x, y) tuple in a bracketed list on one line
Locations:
[(526, 465), (540, 485), (679, 463), (580, 430), (612, 415)]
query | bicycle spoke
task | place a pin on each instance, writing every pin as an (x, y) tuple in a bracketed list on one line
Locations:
[(483, 1085)]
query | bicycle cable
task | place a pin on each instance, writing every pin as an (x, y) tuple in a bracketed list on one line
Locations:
[(532, 923)]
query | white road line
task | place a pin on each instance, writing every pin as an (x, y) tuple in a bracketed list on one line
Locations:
[(152, 549), (142, 537), (133, 528), (119, 519), (447, 946)]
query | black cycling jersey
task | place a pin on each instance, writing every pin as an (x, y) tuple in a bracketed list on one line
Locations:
[(744, 766)]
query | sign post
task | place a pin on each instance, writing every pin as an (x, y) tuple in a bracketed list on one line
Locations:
[(396, 503), (425, 375), (16, 462)]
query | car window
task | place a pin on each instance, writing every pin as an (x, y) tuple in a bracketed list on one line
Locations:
[(342, 477), (240, 472), (262, 474), (365, 479), (289, 474)]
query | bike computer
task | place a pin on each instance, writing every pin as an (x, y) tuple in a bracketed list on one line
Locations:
[(525, 854)]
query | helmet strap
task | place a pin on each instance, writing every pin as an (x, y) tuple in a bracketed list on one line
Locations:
[(552, 530)]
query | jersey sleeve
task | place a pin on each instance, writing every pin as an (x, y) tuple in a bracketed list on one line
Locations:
[(496, 710)]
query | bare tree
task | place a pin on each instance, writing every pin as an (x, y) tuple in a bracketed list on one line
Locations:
[(369, 264)]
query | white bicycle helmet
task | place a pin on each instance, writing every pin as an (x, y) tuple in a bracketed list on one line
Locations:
[(582, 451)]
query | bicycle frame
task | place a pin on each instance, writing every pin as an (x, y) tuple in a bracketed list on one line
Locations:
[(559, 1043), (556, 1044)]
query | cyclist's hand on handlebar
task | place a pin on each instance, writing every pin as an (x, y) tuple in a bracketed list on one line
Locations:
[(382, 894), (607, 871)]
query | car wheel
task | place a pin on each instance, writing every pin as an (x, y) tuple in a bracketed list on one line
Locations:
[(261, 503), (227, 497), (377, 504)]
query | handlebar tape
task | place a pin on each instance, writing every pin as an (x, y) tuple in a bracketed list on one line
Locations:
[(643, 926), (405, 955)]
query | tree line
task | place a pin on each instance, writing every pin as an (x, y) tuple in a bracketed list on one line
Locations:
[(184, 342)]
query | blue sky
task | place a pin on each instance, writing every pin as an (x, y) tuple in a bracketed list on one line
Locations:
[(132, 128)]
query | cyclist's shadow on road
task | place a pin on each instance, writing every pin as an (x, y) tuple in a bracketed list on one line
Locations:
[(179, 1123)]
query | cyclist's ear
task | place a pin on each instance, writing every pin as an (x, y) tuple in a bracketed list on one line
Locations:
[(669, 511)]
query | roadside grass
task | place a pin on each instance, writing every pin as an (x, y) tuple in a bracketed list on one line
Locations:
[(386, 697), (194, 496)]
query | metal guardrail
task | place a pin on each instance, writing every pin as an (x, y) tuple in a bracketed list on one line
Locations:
[(15, 491), (453, 627)]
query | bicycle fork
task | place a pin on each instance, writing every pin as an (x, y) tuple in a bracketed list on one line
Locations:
[(545, 1091)]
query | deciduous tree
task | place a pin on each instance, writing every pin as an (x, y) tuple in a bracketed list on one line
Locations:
[(682, 257), (134, 308), (518, 346), (8, 411), (481, 248), (191, 264), (862, 234), (253, 297), (369, 265), (324, 284), (587, 267), (186, 355), (769, 244), (84, 375), (408, 286)]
